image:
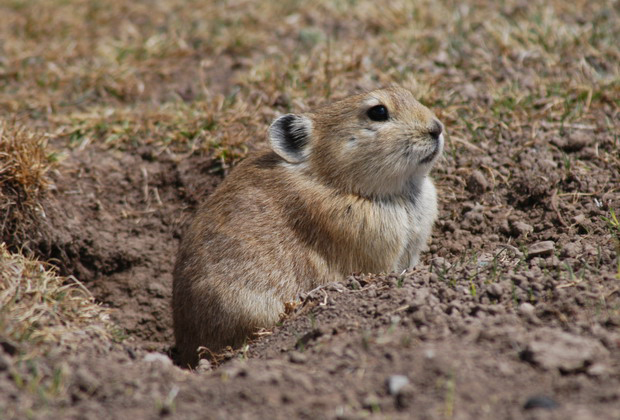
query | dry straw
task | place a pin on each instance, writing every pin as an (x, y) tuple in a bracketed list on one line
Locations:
[(39, 307)]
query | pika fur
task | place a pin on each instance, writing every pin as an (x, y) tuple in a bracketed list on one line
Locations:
[(345, 189)]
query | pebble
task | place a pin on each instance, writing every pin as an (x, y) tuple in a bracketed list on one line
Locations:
[(449, 226), (204, 366), (540, 401), (571, 249), (577, 141), (519, 228), (543, 248), (552, 261), (527, 309), (578, 219), (495, 290), (599, 369), (297, 357), (85, 380), (396, 382), (564, 351)]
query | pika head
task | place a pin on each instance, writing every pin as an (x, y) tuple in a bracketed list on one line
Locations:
[(370, 144)]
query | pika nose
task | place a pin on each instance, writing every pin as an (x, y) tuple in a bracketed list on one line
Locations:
[(435, 130)]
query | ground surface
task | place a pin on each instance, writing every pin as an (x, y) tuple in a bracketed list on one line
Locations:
[(513, 313)]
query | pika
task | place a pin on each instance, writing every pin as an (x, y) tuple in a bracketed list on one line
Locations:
[(344, 189)]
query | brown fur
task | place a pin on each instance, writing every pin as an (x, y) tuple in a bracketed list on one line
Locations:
[(360, 201)]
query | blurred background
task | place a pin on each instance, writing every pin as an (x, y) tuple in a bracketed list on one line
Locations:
[(210, 74)]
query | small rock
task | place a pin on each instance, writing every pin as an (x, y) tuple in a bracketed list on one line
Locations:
[(590, 250), (504, 228), (440, 263), (540, 401), (442, 57), (469, 91), (449, 226), (577, 141), (86, 381), (519, 228), (552, 261), (569, 353), (544, 248), (578, 219), (536, 261), (396, 382), (204, 366), (496, 309), (527, 309), (354, 284), (158, 357), (495, 290), (429, 353), (571, 249), (599, 369), (297, 357), (477, 183), (505, 369)]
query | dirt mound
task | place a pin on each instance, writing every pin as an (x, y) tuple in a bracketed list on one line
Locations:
[(112, 220), (523, 295)]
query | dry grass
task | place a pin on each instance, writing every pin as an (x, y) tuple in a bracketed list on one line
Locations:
[(24, 163), (177, 74), (43, 315), (38, 307)]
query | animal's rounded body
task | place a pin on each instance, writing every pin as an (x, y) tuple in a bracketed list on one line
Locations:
[(345, 189)]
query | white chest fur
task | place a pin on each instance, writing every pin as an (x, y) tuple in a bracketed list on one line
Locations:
[(421, 212)]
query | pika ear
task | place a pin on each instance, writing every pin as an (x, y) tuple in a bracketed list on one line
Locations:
[(289, 136)]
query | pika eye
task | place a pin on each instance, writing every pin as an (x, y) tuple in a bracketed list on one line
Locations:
[(378, 113)]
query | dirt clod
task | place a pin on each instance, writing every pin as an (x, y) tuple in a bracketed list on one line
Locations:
[(405, 397), (566, 352), (297, 357), (519, 228), (541, 249), (477, 182)]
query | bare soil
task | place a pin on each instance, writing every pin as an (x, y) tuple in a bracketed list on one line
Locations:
[(513, 313)]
